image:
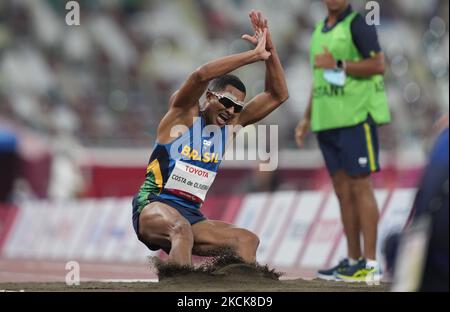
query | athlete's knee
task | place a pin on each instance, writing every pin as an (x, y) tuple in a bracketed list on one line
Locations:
[(146, 223), (247, 240), (181, 229)]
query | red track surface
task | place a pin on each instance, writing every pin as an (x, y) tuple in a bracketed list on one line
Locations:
[(54, 271)]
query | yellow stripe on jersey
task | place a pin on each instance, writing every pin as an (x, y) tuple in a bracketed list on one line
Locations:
[(154, 168), (372, 164)]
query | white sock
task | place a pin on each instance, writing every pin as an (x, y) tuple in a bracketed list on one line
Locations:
[(370, 263), (352, 261)]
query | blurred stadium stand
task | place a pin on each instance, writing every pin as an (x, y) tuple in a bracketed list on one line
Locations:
[(105, 83)]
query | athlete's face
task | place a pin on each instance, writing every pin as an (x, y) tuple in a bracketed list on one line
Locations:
[(216, 113), (336, 5)]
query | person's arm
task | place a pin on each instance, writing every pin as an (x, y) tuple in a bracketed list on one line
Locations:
[(183, 104), (366, 41), (303, 126), (363, 69), (367, 67), (197, 82), (276, 91)]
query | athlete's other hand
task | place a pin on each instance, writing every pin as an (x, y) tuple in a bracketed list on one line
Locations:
[(260, 50), (301, 131), (259, 22)]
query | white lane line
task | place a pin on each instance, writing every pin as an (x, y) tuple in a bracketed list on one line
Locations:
[(56, 266), (10, 277), (34, 277)]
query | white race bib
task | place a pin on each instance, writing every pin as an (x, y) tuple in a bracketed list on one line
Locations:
[(190, 181)]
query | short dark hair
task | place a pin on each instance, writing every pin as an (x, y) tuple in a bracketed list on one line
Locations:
[(219, 84)]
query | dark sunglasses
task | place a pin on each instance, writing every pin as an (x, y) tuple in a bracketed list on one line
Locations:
[(228, 101)]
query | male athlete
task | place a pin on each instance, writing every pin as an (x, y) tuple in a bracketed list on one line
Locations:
[(166, 211), (347, 104)]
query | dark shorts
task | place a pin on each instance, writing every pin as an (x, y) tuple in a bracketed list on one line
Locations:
[(352, 149), (191, 215)]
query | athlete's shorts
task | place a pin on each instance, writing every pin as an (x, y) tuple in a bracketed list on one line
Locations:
[(352, 149), (191, 215)]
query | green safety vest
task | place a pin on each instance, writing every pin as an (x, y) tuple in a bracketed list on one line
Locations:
[(337, 107)]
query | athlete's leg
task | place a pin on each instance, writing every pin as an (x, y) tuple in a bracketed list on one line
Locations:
[(162, 225), (367, 210), (349, 213), (210, 235)]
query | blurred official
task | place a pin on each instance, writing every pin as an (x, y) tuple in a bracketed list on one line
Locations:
[(346, 106)]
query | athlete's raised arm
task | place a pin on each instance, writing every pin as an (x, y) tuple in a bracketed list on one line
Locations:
[(184, 103), (197, 82), (276, 91)]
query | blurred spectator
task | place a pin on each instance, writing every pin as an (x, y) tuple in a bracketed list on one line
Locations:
[(66, 178), (9, 163)]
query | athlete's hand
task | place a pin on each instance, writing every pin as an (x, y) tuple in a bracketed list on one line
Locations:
[(325, 60), (258, 22), (260, 50), (301, 131)]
